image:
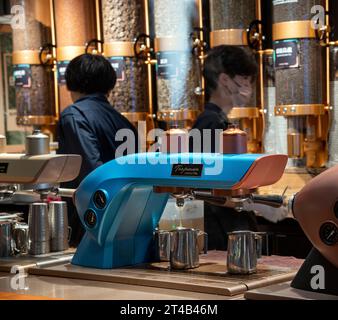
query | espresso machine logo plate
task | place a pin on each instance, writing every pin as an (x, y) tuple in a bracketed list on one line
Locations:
[(187, 170), (286, 54), (22, 75), (3, 168)]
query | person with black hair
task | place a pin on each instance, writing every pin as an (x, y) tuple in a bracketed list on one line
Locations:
[(88, 127), (229, 74)]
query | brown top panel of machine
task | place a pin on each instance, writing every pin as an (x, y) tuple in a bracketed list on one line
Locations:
[(265, 171)]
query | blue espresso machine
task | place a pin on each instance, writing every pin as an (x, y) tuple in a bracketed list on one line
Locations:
[(120, 208)]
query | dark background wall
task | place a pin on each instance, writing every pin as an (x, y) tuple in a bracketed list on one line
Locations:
[(4, 7)]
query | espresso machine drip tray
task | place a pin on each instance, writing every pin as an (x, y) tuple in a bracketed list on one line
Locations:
[(210, 278)]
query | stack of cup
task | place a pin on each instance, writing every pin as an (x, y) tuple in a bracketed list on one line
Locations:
[(48, 228), (58, 221), (39, 231)]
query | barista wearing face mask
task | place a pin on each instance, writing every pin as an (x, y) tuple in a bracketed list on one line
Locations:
[(229, 73)]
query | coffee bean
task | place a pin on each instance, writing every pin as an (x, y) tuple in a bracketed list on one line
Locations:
[(232, 14), (295, 11)]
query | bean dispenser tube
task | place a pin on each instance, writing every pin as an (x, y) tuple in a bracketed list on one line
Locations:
[(179, 94), (75, 25), (301, 83), (123, 22), (333, 142), (239, 23), (33, 75)]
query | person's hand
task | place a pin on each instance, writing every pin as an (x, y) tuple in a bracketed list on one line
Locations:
[(269, 213)]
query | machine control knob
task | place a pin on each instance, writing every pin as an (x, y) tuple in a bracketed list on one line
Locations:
[(90, 219), (329, 233), (100, 199)]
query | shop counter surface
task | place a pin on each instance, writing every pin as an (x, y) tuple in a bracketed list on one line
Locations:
[(46, 288)]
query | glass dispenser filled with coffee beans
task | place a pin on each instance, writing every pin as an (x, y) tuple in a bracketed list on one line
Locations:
[(239, 23), (178, 77), (302, 86), (123, 22), (33, 74)]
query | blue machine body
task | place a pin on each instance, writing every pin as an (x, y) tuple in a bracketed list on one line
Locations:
[(120, 211)]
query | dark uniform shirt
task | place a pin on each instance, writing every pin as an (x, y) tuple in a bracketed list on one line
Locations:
[(88, 128), (220, 220), (214, 119)]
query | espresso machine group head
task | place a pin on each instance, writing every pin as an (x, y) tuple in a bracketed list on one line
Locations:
[(120, 203)]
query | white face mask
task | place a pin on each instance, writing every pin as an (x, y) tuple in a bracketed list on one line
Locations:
[(240, 90)]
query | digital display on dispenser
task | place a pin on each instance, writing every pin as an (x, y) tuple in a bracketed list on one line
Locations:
[(62, 67), (22, 75), (118, 63), (167, 65), (286, 54)]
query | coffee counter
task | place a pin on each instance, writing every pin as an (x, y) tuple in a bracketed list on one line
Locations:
[(45, 288), (153, 281)]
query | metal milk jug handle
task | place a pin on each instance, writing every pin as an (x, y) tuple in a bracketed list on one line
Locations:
[(70, 231), (259, 243), (206, 240), (16, 247)]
